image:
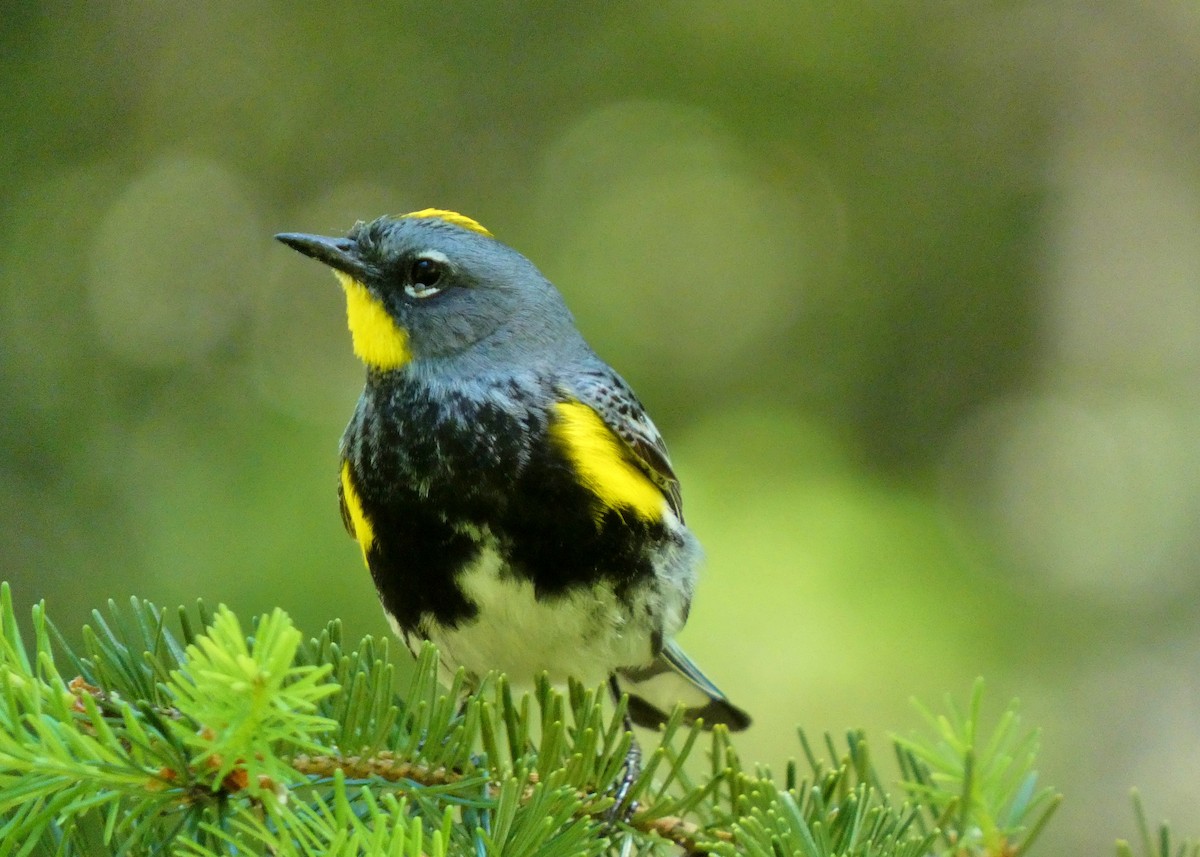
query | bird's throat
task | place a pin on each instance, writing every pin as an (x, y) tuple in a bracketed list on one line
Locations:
[(379, 342)]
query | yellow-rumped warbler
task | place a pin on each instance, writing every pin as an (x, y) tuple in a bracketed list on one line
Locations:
[(513, 501)]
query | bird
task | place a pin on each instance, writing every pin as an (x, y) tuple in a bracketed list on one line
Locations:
[(513, 501)]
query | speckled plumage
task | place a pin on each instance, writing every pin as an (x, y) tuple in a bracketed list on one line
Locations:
[(515, 504)]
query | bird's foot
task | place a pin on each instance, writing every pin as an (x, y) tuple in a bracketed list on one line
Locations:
[(624, 809)]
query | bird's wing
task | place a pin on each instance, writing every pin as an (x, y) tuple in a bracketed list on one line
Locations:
[(673, 678), (612, 400)]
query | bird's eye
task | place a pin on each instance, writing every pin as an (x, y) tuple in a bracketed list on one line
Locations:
[(426, 276)]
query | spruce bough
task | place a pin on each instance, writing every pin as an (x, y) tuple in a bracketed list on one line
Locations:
[(193, 737)]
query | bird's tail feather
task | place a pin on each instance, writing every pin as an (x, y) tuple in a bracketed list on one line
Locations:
[(670, 679)]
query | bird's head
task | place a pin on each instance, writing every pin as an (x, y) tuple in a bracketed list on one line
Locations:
[(435, 285)]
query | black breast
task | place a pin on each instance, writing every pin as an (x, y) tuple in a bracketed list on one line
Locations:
[(442, 478)]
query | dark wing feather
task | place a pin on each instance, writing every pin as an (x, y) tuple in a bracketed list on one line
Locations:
[(672, 678)]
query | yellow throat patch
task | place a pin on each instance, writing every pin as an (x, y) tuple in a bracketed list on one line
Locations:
[(378, 341), (450, 217), (602, 461)]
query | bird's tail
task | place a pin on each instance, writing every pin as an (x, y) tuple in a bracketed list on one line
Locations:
[(672, 678)]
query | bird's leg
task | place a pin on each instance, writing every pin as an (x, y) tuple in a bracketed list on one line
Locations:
[(632, 768)]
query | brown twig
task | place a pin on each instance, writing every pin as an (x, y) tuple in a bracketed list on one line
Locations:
[(385, 766)]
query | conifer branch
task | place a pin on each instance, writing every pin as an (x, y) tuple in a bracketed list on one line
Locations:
[(195, 737)]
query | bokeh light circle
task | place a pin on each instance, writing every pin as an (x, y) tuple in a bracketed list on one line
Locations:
[(667, 241), (1097, 494), (174, 261)]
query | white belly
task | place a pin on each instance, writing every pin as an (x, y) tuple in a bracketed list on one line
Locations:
[(585, 634)]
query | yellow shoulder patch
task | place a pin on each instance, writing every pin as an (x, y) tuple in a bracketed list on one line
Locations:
[(602, 462), (378, 341), (363, 531), (451, 217)]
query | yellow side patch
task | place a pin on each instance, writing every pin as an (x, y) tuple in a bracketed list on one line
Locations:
[(602, 462), (451, 217), (363, 531), (378, 340)]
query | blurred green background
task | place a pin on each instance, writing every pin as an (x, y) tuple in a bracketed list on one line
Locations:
[(913, 290)]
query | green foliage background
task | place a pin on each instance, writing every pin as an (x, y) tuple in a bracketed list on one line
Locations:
[(912, 289)]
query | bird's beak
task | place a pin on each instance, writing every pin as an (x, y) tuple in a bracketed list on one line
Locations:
[(341, 254)]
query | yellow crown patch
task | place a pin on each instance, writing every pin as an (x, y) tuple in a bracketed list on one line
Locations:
[(451, 217)]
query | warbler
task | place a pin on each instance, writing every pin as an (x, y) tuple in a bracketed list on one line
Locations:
[(513, 501)]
